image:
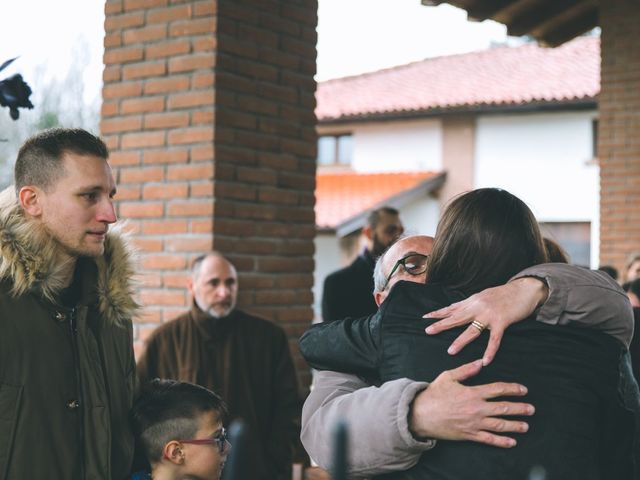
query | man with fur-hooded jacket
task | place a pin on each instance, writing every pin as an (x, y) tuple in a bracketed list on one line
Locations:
[(67, 370)]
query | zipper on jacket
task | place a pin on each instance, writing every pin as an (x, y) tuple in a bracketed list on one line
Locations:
[(73, 330)]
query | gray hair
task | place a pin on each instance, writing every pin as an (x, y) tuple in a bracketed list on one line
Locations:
[(197, 262), (379, 276)]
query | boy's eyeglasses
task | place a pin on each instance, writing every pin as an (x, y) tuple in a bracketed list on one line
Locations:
[(413, 264), (220, 440)]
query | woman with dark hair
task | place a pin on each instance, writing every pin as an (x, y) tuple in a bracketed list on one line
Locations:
[(484, 238), (582, 429)]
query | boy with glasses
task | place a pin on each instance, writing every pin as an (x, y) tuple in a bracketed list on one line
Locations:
[(179, 428)]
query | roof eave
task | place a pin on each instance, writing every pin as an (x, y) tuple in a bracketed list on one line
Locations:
[(550, 23), (584, 103), (398, 201)]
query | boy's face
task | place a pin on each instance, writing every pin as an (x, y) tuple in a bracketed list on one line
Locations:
[(205, 462)]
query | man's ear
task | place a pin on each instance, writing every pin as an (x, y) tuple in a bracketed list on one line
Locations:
[(30, 199), (190, 286), (367, 231), (173, 452), (378, 297)]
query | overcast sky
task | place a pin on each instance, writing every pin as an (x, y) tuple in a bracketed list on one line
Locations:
[(354, 36), (45, 32)]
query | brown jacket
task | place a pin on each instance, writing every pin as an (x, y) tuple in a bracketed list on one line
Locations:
[(246, 360), (66, 374)]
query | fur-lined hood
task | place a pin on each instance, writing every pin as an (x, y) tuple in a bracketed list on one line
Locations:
[(32, 261)]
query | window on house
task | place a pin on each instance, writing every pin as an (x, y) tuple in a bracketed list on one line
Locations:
[(335, 150), (574, 237)]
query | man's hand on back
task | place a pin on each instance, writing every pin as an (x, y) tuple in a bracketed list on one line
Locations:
[(448, 410)]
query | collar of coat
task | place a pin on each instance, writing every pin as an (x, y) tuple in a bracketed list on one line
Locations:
[(31, 260)]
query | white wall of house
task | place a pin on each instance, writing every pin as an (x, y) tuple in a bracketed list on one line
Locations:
[(546, 159), (421, 217), (399, 146)]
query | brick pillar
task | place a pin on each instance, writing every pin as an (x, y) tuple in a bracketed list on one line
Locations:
[(208, 112), (619, 132), (265, 151)]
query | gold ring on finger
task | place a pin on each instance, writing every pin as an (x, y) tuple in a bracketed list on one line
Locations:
[(478, 325)]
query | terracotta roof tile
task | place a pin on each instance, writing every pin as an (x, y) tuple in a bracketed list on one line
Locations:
[(343, 195), (499, 76)]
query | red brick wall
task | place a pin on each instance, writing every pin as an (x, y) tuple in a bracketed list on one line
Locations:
[(619, 132), (208, 112)]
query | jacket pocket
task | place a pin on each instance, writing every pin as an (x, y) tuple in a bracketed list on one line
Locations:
[(10, 396)]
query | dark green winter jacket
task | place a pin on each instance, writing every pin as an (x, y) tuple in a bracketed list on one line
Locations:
[(67, 373)]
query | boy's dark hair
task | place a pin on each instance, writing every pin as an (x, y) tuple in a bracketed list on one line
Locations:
[(39, 161), (610, 270), (168, 410)]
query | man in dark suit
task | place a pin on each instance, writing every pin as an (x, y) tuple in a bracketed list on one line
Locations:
[(348, 292)]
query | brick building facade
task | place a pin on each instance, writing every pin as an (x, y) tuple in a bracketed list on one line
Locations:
[(208, 112), (619, 131)]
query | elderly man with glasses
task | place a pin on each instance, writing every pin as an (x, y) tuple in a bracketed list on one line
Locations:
[(407, 417), (406, 260)]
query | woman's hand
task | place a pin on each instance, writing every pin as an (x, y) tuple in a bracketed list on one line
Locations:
[(494, 308)]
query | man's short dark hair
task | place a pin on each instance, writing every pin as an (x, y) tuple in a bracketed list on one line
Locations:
[(39, 161), (169, 410), (374, 217)]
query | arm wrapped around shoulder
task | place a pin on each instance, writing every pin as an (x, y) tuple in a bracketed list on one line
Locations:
[(349, 346)]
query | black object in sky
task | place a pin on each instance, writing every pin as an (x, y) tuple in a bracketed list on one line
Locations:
[(14, 92)]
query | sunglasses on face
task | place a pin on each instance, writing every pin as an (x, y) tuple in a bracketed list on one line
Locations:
[(413, 264), (220, 440)]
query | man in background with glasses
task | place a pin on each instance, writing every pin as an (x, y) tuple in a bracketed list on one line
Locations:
[(347, 292)]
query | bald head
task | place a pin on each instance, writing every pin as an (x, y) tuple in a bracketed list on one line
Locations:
[(414, 244)]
